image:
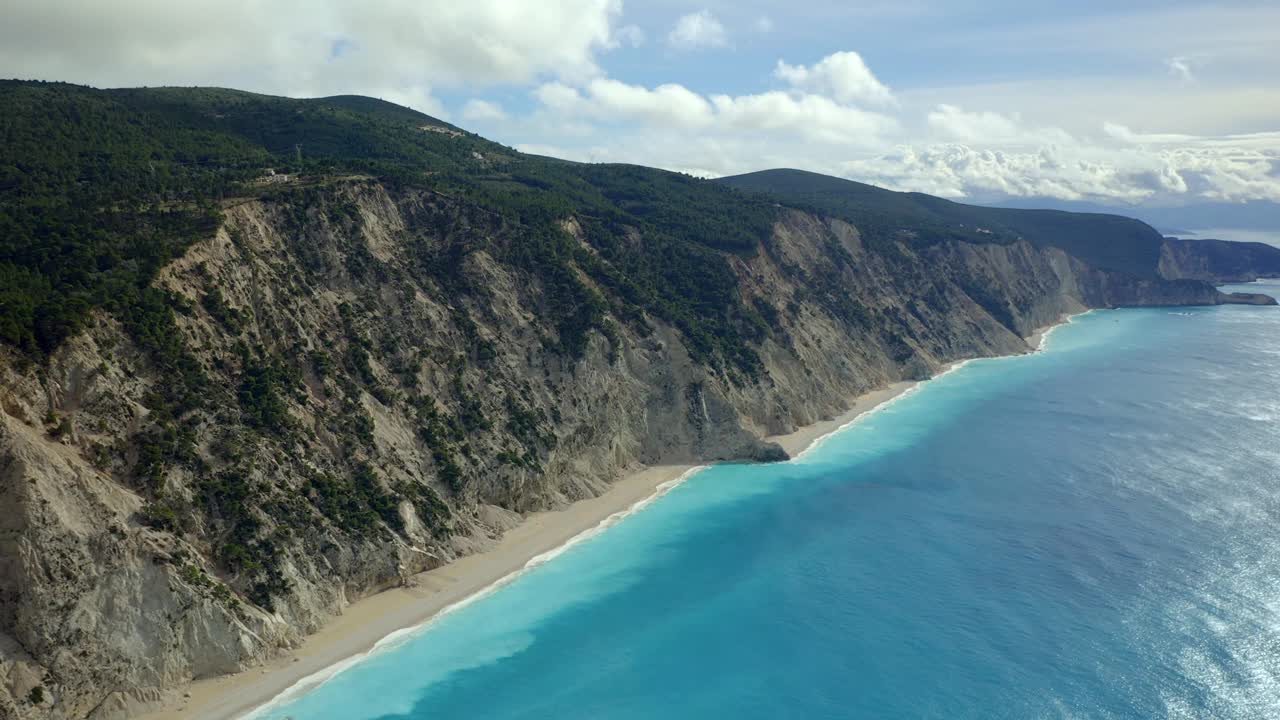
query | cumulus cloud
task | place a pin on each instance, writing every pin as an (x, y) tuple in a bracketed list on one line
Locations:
[(1125, 135), (671, 106), (950, 122), (954, 122), (1077, 172), (961, 171), (833, 116), (812, 116), (698, 30), (399, 50), (842, 75), (825, 122)]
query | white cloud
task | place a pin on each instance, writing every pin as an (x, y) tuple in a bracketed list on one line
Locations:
[(628, 35), (399, 50), (1124, 134), (842, 75), (478, 110), (956, 124), (1080, 172), (811, 116), (952, 123), (962, 171), (1212, 139), (952, 151), (671, 106), (764, 24), (698, 30), (674, 107), (978, 156), (1180, 67)]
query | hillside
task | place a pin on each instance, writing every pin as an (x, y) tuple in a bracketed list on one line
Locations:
[(1219, 261), (260, 357), (1108, 242), (1251, 215), (101, 188)]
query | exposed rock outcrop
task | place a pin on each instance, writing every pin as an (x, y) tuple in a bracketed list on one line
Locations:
[(363, 408), (1218, 261), (1239, 298)]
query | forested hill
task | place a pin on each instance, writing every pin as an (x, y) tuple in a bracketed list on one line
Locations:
[(1108, 242), (100, 188), (260, 357)]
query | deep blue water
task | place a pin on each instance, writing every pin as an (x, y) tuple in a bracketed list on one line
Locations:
[(1092, 531)]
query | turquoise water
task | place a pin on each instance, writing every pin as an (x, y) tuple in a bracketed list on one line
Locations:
[(1092, 531)]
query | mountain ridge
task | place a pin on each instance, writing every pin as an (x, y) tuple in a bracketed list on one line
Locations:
[(1110, 241), (244, 385)]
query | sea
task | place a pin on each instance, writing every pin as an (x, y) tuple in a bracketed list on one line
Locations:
[(1088, 531)]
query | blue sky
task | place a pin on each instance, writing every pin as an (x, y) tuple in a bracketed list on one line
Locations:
[(1114, 102)]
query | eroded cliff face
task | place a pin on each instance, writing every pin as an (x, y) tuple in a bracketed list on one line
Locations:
[(385, 391), (1218, 261)]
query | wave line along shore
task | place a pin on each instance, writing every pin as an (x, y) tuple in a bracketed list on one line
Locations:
[(385, 619)]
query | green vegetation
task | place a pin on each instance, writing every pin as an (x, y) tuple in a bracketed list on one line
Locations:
[(260, 398), (442, 435), (658, 243), (357, 504), (160, 516), (1108, 242), (230, 318), (233, 501), (164, 443), (99, 189), (1229, 260), (95, 196)]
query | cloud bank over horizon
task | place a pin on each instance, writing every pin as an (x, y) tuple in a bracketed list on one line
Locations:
[(1055, 107)]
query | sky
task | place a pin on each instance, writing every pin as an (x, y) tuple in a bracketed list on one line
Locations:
[(1112, 102)]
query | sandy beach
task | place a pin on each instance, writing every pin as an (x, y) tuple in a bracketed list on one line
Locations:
[(1036, 339), (795, 443), (366, 621)]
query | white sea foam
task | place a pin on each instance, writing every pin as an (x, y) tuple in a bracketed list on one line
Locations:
[(396, 638), (953, 367), (1044, 338), (822, 440)]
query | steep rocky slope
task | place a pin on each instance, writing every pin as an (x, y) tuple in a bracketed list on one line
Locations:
[(1107, 242), (1219, 261), (330, 383), (364, 421)]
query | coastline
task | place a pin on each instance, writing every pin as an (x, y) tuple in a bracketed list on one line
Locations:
[(1037, 339), (804, 439), (383, 617)]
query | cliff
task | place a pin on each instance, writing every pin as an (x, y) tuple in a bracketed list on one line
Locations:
[(118, 586), (1218, 261), (355, 377)]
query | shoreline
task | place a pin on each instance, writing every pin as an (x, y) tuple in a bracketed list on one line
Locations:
[(384, 617), (1037, 339)]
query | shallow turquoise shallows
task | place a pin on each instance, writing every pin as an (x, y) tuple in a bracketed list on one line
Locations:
[(1092, 531)]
